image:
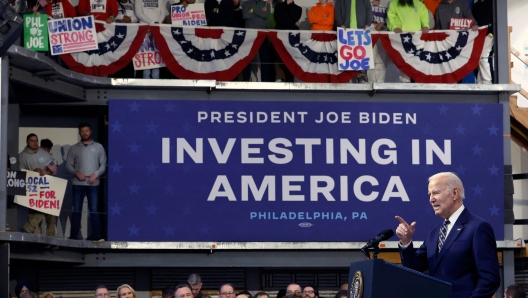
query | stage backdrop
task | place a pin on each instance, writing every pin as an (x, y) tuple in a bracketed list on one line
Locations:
[(294, 171)]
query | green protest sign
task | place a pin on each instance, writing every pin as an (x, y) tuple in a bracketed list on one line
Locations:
[(36, 32)]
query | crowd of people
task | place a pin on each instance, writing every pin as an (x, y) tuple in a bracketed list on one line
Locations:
[(193, 286), (378, 15)]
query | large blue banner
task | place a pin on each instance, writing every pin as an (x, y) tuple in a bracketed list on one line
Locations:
[(294, 171)]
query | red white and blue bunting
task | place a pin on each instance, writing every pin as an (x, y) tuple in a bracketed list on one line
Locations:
[(222, 53), (118, 44), (438, 57), (207, 53), (311, 56)]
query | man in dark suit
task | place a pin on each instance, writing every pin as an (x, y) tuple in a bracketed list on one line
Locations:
[(460, 250)]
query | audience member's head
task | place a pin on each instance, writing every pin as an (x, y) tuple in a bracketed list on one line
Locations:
[(515, 291), (226, 291), (262, 295), (294, 295), (23, 286), (46, 145), (293, 288), (196, 283), (281, 293), (126, 291), (310, 291), (183, 291), (168, 292), (341, 294), (344, 287), (101, 292), (244, 294), (48, 295), (32, 141), (27, 295)]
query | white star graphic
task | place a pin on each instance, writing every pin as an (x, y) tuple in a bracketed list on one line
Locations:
[(107, 46), (406, 39), (212, 54), (326, 58), (464, 33), (120, 36), (296, 45), (234, 46), (183, 41), (189, 51), (240, 33), (411, 51), (294, 33), (113, 44), (177, 32), (440, 56), (459, 48), (227, 53), (448, 55), (418, 53), (428, 56), (305, 51)]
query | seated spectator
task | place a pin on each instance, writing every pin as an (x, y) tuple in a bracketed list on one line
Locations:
[(23, 286), (310, 292), (262, 295), (515, 291), (101, 10), (60, 9), (126, 291), (449, 9), (321, 16), (341, 293), (220, 13), (168, 292), (483, 14)]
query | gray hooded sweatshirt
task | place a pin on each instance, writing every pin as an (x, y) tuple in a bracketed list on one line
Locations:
[(456, 9)]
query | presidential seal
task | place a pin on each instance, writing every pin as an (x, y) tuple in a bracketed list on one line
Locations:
[(356, 288)]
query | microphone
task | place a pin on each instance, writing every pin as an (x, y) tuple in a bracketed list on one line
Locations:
[(376, 240)]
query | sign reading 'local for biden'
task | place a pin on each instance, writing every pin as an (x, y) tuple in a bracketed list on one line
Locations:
[(294, 171)]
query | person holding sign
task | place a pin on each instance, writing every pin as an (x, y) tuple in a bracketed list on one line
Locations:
[(460, 250), (169, 3), (60, 9), (151, 11), (87, 161), (354, 14), (379, 23), (102, 10), (455, 14), (34, 158), (126, 13), (321, 16)]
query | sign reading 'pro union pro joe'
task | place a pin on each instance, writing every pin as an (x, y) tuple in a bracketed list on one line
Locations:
[(294, 171)]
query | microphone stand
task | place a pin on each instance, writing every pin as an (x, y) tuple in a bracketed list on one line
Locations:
[(374, 254)]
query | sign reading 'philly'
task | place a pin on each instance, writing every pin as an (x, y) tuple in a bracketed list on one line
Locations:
[(293, 171)]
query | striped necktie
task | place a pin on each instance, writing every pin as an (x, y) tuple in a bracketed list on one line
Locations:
[(443, 234)]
